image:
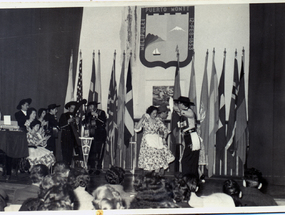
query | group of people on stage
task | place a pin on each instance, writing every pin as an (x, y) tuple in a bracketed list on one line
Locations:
[(43, 127)]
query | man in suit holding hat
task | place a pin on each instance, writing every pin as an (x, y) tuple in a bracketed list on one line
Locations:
[(96, 121), (21, 115), (68, 138), (187, 124), (53, 127)]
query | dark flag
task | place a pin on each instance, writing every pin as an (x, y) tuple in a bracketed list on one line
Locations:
[(79, 86), (112, 109), (192, 89), (91, 96), (98, 83), (129, 109), (230, 147), (241, 119), (221, 133)]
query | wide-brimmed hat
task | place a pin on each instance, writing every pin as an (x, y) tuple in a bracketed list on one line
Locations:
[(163, 108), (93, 103), (184, 100), (68, 104), (23, 101), (53, 106)]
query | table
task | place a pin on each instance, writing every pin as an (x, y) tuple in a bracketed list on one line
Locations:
[(14, 143)]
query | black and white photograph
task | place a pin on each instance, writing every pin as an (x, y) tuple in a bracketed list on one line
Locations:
[(132, 107)]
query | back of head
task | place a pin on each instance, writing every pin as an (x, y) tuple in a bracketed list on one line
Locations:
[(115, 175), (38, 172), (231, 188), (78, 177), (191, 181), (252, 177), (61, 167)]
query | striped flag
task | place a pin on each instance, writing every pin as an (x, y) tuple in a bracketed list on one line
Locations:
[(112, 109), (91, 96), (213, 118), (192, 88), (98, 91), (129, 112), (231, 127), (241, 118), (221, 133), (204, 116), (79, 86), (70, 84), (121, 105)]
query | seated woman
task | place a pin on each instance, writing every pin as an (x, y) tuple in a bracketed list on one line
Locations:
[(38, 154)]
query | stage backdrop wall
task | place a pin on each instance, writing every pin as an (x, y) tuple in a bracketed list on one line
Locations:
[(35, 54), (266, 91)]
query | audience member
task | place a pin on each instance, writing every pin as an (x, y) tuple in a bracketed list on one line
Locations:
[(37, 174), (61, 168), (252, 196), (232, 188), (79, 179), (3, 199), (211, 201), (115, 175)]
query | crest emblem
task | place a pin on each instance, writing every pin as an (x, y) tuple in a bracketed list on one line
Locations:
[(163, 29)]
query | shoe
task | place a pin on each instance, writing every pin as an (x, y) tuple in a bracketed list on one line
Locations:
[(8, 178), (202, 178), (91, 172)]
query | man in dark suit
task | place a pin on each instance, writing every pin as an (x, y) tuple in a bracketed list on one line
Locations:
[(96, 121), (53, 127), (67, 124), (21, 115)]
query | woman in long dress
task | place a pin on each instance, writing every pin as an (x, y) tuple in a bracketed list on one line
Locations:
[(38, 154), (154, 154), (31, 116)]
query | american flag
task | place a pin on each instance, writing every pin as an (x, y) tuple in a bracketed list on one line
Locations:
[(112, 109), (79, 85)]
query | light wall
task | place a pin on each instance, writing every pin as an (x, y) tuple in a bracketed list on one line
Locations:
[(216, 26)]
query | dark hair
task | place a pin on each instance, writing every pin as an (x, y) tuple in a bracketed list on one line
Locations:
[(30, 111), (252, 177), (232, 188), (115, 175), (60, 167), (150, 109), (41, 110), (30, 204), (58, 197), (78, 177), (34, 123), (38, 172)]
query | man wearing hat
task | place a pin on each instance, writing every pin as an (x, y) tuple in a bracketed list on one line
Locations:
[(53, 127), (96, 121), (68, 139), (187, 124), (21, 115)]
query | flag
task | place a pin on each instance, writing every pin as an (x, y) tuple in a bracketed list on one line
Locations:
[(98, 95), (129, 112), (192, 88), (231, 127), (213, 118), (221, 133), (70, 84), (204, 116), (91, 96), (121, 105), (79, 87), (241, 118), (112, 109)]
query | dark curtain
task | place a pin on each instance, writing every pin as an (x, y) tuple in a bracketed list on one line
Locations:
[(35, 49), (267, 91)]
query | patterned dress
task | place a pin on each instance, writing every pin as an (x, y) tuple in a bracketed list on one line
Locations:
[(151, 158), (39, 155)]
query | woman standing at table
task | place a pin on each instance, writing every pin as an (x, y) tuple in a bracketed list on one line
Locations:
[(38, 154), (154, 154)]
